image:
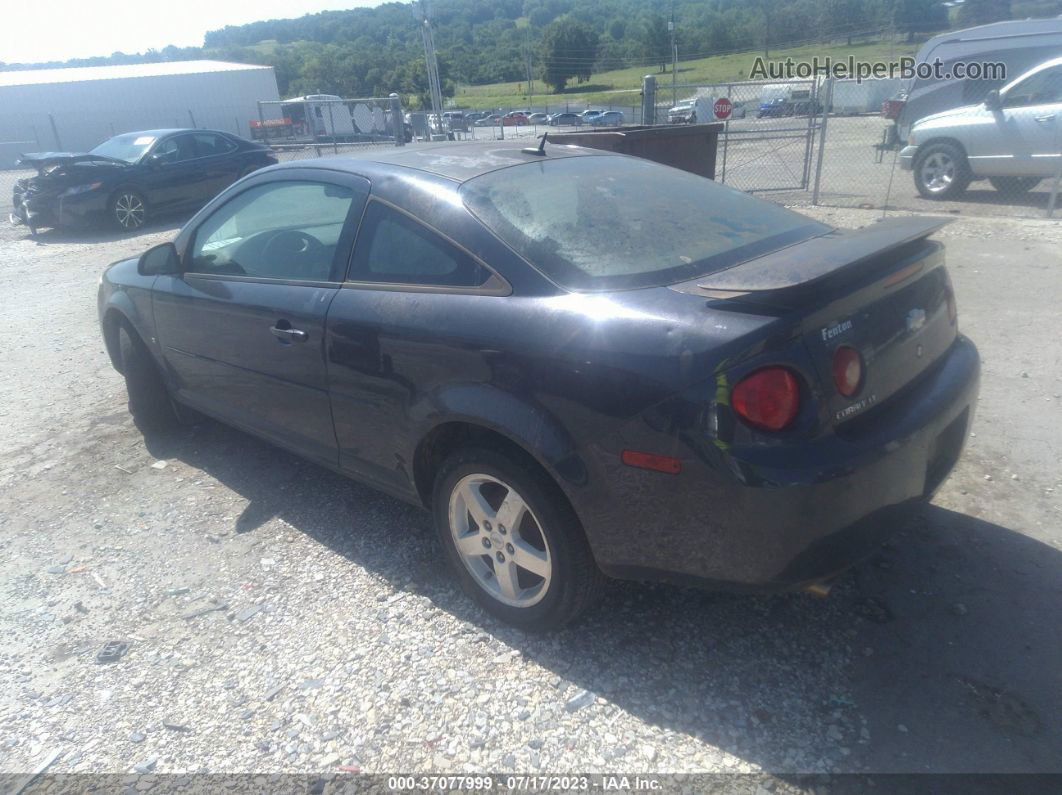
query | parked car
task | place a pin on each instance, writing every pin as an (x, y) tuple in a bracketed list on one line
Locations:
[(514, 118), (610, 118), (783, 106), (1011, 139), (490, 120), (588, 116), (566, 118), (743, 396), (682, 113), (129, 178), (476, 115), (538, 118)]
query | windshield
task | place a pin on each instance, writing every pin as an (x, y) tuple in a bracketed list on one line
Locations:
[(608, 223), (129, 147)]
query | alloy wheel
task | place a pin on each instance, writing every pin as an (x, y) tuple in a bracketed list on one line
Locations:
[(938, 172), (129, 211), (500, 541)]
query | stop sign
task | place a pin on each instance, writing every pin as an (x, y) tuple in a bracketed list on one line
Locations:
[(723, 108)]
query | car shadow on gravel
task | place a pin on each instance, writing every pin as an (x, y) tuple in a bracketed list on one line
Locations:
[(941, 653)]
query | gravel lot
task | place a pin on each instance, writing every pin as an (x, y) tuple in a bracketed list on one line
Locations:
[(280, 618)]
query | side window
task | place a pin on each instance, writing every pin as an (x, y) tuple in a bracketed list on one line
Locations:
[(394, 249), (1042, 88), (207, 144), (279, 230), (176, 149)]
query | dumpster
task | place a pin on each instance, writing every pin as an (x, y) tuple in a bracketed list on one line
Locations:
[(690, 147)]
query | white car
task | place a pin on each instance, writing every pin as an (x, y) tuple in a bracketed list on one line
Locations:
[(1013, 139)]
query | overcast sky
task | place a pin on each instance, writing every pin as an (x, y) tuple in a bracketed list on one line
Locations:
[(55, 30)]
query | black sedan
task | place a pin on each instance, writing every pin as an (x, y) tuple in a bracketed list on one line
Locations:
[(562, 119), (128, 178), (582, 363)]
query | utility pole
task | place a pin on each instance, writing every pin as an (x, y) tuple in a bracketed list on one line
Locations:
[(674, 56), (527, 44), (767, 30), (434, 86)]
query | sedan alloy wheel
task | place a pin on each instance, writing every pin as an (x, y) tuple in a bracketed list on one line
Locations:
[(500, 541), (129, 210)]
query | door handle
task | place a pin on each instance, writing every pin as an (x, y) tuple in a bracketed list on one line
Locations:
[(1045, 119), (289, 334)]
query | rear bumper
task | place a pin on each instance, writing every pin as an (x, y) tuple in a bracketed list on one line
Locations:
[(762, 519)]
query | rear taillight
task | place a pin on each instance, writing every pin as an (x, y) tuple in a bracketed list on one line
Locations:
[(768, 399), (953, 309), (847, 370), (892, 108)]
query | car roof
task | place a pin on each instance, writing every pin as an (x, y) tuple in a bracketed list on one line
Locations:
[(169, 131), (455, 161)]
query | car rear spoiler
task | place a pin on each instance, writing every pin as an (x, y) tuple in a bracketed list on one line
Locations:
[(811, 262)]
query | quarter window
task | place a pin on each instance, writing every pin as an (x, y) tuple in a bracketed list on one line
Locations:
[(394, 249), (280, 230)]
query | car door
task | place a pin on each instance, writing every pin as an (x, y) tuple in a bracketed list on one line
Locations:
[(1026, 141), (242, 328), (216, 157), (171, 180), (384, 343)]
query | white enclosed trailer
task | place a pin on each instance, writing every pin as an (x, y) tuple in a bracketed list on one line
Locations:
[(73, 109)]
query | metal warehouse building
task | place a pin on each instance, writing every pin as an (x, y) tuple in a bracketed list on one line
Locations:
[(74, 109)]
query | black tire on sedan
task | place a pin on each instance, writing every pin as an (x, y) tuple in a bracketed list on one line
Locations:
[(941, 171), (149, 402), (513, 539), (127, 209), (1014, 186)]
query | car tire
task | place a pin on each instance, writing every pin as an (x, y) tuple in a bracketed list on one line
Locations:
[(149, 401), (1014, 186), (560, 579), (127, 210), (941, 171)]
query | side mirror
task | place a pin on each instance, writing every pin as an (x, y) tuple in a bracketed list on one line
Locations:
[(992, 100), (159, 260), (154, 160)]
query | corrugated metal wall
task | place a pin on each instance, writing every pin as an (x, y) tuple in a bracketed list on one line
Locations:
[(76, 116)]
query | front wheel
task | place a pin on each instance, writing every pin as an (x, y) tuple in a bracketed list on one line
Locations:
[(513, 539), (128, 210), (941, 171), (1014, 186)]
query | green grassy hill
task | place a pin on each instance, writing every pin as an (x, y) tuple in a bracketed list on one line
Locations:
[(622, 87)]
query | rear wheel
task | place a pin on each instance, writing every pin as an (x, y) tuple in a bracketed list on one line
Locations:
[(941, 171), (128, 210), (1014, 186), (513, 539), (149, 402)]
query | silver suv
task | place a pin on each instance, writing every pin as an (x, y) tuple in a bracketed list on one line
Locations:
[(1014, 139)]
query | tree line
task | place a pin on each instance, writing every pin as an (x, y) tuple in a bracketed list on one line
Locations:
[(373, 51)]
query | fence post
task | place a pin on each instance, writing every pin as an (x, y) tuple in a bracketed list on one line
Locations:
[(822, 140), (649, 99), (1054, 191), (332, 124), (192, 117), (397, 124), (55, 132), (261, 125)]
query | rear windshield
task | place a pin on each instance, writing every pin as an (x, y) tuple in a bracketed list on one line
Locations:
[(614, 223)]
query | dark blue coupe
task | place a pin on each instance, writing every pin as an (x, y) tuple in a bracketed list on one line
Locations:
[(584, 364)]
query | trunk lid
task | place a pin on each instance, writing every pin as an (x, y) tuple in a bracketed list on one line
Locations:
[(882, 290)]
